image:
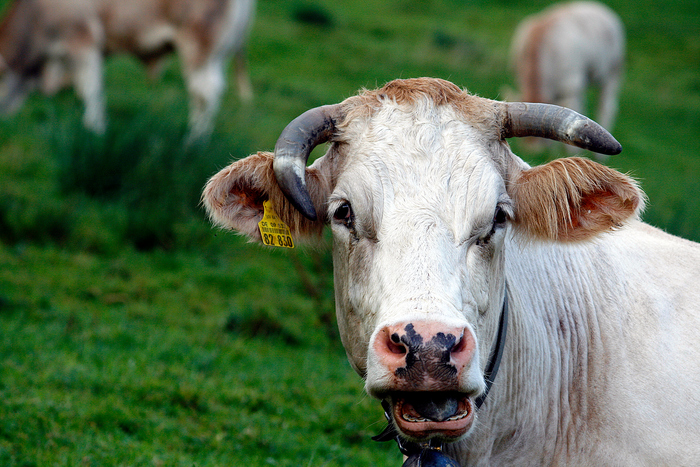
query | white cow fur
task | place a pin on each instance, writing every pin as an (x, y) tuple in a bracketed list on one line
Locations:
[(58, 43), (561, 52), (601, 365), (602, 361)]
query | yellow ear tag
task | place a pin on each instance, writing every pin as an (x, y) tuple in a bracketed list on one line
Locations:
[(274, 232)]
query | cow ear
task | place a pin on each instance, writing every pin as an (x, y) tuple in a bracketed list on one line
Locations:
[(573, 199), (234, 197)]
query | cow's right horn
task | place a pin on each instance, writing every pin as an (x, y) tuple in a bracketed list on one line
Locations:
[(557, 123), (292, 150)]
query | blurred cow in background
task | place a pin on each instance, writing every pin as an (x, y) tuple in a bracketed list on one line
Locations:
[(52, 44), (561, 52)]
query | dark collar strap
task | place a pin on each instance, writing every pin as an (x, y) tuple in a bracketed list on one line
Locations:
[(496, 351), (409, 448)]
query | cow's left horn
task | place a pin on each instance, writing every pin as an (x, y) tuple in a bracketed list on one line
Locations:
[(292, 150), (557, 123)]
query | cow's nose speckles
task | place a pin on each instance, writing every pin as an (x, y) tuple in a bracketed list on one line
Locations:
[(416, 352)]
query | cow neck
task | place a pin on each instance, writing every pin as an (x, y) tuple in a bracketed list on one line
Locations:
[(412, 449)]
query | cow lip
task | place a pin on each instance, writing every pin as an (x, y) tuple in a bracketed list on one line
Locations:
[(422, 416)]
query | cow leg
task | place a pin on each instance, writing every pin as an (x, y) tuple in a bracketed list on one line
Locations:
[(240, 64), (54, 76), (87, 79), (13, 92), (607, 101), (205, 84), (607, 107), (154, 67)]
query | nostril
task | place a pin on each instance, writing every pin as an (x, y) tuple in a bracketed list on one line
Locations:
[(460, 346), (395, 345)]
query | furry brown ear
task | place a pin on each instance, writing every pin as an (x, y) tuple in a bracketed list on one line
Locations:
[(573, 199), (234, 197)]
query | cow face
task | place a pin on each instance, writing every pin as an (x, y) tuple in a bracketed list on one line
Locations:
[(423, 196), (417, 250)]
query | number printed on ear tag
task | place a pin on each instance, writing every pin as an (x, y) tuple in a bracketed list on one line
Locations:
[(274, 232)]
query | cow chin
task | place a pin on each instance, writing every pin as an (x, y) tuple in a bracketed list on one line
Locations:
[(420, 416)]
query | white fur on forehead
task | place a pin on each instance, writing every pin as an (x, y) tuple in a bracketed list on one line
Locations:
[(425, 159)]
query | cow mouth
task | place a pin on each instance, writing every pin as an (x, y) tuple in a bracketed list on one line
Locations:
[(424, 415)]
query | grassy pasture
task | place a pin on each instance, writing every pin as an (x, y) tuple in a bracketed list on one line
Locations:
[(134, 334)]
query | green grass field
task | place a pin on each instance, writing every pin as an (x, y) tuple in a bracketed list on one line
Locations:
[(135, 334)]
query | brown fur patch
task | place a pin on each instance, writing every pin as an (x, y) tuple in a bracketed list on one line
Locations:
[(234, 197), (573, 199)]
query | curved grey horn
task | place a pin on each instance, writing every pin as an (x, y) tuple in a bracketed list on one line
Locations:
[(292, 150), (557, 123)]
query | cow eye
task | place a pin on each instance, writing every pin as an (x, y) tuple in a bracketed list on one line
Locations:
[(343, 214), (500, 218)]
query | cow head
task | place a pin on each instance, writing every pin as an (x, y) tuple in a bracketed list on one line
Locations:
[(422, 194)]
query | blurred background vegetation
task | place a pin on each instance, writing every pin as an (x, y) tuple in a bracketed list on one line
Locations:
[(135, 334)]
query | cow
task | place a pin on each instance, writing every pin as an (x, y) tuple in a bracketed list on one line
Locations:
[(52, 44), (560, 53), (438, 229)]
